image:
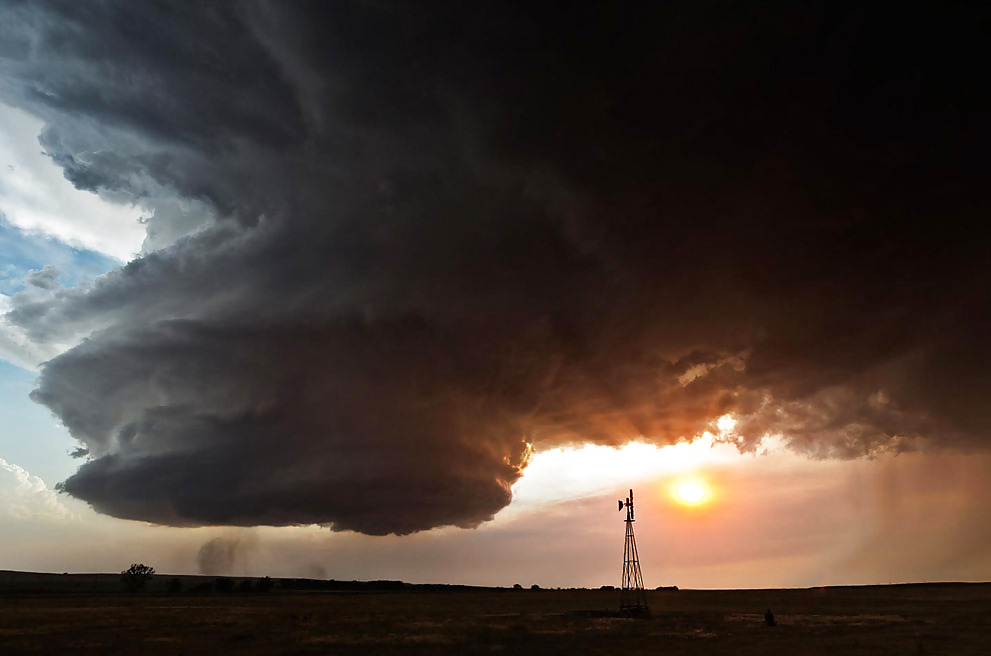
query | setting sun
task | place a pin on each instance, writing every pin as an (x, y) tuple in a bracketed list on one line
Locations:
[(691, 492)]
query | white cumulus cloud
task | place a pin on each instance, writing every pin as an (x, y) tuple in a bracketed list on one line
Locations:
[(25, 496)]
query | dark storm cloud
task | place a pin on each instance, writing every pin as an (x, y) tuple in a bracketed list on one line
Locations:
[(437, 236)]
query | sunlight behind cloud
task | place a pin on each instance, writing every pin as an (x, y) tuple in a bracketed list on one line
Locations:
[(582, 471), (726, 424), (575, 472), (35, 196)]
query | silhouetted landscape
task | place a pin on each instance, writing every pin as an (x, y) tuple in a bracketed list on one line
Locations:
[(88, 614)]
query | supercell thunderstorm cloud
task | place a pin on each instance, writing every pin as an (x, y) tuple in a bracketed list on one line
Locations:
[(391, 248)]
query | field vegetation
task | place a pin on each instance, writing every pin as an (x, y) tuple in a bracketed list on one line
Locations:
[(73, 614)]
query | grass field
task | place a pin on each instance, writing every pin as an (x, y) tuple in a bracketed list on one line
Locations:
[(910, 619)]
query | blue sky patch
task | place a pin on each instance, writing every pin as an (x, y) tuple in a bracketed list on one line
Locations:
[(22, 251)]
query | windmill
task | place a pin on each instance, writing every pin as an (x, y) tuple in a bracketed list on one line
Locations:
[(634, 599)]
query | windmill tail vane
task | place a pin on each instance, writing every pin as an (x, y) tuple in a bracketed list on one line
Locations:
[(634, 598)]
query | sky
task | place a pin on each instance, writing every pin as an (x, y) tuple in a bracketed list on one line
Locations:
[(359, 291)]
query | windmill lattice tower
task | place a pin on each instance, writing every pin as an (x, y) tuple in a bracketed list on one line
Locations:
[(634, 599)]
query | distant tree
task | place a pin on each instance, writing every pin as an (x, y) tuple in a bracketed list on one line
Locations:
[(534, 587), (263, 585), (175, 586), (245, 586), (223, 585), (136, 576), (517, 586)]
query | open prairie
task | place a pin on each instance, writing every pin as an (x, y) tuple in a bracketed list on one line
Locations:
[(901, 619)]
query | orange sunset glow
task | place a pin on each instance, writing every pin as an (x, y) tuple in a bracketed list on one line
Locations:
[(693, 492)]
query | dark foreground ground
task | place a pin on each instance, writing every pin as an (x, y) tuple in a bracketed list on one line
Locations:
[(914, 619)]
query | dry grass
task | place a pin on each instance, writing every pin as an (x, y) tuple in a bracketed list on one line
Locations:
[(937, 619)]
